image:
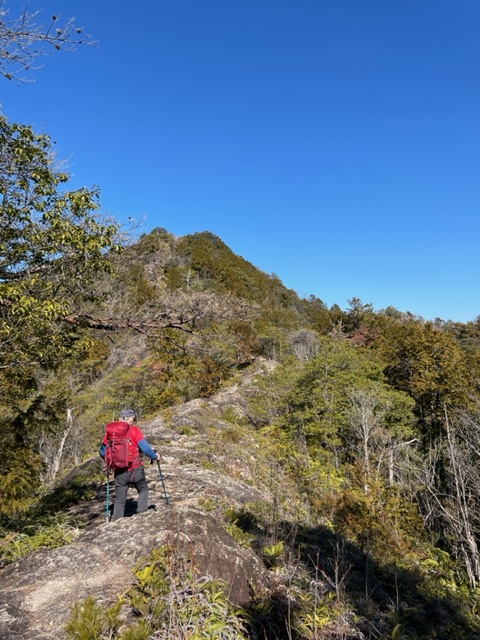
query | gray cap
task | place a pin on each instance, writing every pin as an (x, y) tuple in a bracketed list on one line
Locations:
[(128, 413)]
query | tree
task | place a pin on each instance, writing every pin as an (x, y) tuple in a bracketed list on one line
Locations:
[(450, 503), (356, 313), (380, 428), (430, 366), (23, 40), (304, 344), (317, 313), (329, 403), (53, 244)]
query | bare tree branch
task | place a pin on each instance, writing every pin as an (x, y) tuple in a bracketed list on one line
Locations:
[(179, 311), (23, 40), (114, 324)]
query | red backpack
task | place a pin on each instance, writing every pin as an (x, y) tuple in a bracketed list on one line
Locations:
[(122, 450)]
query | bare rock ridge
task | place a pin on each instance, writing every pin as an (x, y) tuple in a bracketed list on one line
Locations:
[(36, 592)]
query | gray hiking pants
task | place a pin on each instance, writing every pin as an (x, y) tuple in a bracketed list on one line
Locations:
[(123, 481)]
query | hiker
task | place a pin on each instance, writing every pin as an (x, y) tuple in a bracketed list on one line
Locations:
[(121, 448)]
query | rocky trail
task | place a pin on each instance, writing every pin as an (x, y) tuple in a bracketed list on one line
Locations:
[(37, 592)]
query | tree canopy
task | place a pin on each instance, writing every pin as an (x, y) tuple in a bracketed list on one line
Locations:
[(52, 243)]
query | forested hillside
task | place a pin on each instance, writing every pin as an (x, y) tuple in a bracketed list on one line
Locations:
[(364, 423)]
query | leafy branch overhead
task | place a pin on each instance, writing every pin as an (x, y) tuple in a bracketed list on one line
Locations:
[(53, 243), (24, 39)]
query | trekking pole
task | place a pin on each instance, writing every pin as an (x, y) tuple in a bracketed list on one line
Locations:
[(163, 481), (107, 514)]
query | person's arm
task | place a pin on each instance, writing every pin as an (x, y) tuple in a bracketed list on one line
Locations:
[(147, 449), (102, 449)]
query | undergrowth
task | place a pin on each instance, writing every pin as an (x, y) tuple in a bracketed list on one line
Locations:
[(47, 522), (168, 601), (53, 533)]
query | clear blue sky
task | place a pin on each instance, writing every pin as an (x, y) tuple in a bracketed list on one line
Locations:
[(334, 143)]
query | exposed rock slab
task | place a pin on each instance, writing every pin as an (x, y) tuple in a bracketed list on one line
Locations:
[(37, 592)]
